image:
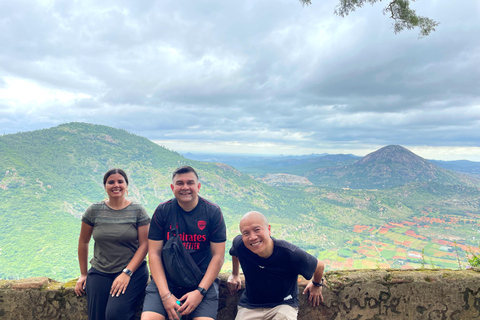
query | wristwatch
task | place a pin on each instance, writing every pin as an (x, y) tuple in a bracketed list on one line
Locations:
[(318, 284), (128, 271), (202, 291)]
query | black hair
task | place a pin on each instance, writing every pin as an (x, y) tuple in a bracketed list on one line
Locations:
[(114, 171), (184, 169)]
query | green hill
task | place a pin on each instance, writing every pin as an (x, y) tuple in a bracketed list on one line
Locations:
[(49, 177)]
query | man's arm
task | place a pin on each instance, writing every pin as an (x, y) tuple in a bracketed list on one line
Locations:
[(234, 283), (315, 293), (158, 274), (193, 298)]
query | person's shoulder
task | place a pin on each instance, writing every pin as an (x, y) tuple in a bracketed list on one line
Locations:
[(237, 240), (284, 245), (93, 211), (135, 205), (95, 207), (294, 252), (209, 204), (99, 204), (165, 204), (212, 210), (162, 211), (139, 210), (238, 245)]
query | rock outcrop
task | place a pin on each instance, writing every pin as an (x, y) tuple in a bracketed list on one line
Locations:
[(354, 294), (285, 179)]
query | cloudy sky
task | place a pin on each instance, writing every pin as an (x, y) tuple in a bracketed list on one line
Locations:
[(247, 76)]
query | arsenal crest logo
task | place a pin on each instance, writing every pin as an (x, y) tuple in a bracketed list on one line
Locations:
[(202, 224)]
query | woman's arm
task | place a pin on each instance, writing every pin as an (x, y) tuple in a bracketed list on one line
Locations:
[(142, 250), (83, 241)]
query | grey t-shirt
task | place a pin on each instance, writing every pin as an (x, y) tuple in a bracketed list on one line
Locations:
[(115, 233)]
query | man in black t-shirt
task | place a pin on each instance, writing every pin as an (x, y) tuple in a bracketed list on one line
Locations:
[(201, 228), (271, 268)]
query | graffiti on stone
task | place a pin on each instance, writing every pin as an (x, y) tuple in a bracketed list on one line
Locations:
[(384, 304)]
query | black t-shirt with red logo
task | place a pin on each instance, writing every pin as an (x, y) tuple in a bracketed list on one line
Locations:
[(272, 281), (196, 228)]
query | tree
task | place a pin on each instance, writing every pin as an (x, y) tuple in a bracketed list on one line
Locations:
[(399, 10)]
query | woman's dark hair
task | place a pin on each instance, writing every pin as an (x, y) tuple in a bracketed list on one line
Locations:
[(113, 171)]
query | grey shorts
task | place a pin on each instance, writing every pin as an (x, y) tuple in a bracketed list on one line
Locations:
[(207, 308)]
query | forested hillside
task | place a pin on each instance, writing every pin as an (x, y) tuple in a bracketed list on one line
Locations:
[(49, 177)]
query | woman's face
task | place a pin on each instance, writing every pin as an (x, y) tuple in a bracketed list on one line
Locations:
[(116, 186)]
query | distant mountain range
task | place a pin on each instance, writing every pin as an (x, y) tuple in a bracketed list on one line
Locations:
[(49, 177), (465, 166), (254, 164), (390, 166)]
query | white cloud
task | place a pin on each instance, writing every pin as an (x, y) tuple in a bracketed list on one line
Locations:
[(261, 75), (21, 95)]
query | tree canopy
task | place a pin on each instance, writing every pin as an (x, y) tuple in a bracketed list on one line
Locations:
[(399, 10)]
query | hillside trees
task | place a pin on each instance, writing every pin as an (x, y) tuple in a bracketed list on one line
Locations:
[(399, 10)]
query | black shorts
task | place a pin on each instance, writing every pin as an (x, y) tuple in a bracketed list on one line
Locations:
[(207, 308)]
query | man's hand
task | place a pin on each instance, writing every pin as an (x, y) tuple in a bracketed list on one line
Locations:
[(120, 284), (190, 301), (234, 283), (314, 294), (171, 307)]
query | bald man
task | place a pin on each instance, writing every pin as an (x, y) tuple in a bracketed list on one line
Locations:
[(271, 268)]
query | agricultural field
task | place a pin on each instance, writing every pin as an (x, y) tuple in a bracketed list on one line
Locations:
[(423, 242)]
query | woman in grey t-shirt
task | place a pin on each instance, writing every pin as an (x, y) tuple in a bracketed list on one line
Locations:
[(118, 273)]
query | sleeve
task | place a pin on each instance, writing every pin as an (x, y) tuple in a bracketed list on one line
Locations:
[(219, 233), (87, 217), (155, 232), (305, 263), (142, 217), (233, 249)]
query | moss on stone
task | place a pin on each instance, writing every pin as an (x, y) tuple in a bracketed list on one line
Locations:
[(5, 284), (70, 284)]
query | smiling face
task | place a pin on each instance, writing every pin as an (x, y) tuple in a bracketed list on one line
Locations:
[(185, 187), (256, 234), (116, 186)]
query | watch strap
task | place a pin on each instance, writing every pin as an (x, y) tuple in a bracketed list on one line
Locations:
[(128, 272), (202, 291), (317, 284)]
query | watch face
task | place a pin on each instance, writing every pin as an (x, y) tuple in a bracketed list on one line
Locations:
[(202, 291)]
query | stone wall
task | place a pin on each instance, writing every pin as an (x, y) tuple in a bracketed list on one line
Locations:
[(354, 294)]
